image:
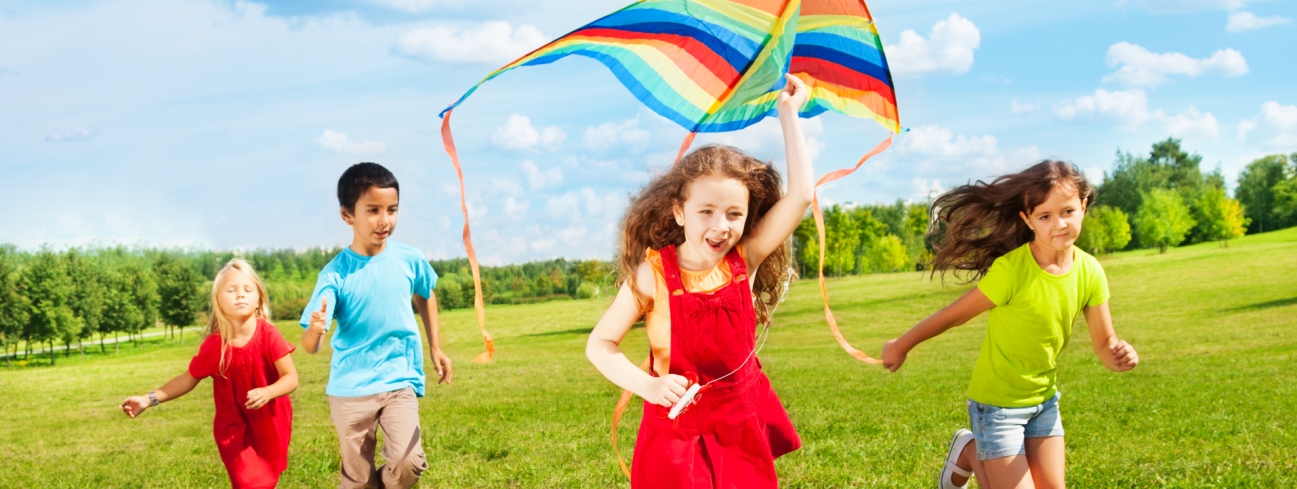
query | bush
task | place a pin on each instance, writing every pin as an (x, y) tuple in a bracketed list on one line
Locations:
[(288, 309)]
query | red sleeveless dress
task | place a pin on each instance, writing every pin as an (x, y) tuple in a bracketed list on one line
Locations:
[(731, 435)]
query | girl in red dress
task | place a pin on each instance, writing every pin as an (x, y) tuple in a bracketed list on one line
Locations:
[(252, 374), (703, 259)]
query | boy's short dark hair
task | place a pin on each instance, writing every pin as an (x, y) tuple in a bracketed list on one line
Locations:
[(359, 178)]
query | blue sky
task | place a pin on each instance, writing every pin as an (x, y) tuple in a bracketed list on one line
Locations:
[(223, 124)]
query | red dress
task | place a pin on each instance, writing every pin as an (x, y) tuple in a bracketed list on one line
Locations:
[(253, 443), (731, 436)]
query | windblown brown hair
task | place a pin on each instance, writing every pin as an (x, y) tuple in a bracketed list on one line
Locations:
[(650, 223), (974, 224)]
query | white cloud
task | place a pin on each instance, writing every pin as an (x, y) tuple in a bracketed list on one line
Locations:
[(72, 135), (948, 48), (926, 189), (1094, 175), (1018, 108), (573, 235), (545, 244), (1283, 117), (515, 209), (518, 133), (566, 206), (1129, 108), (765, 139), (506, 186), (1141, 67), (492, 42), (941, 146), (1245, 126), (1191, 122), (339, 142), (611, 134), (537, 179), (1246, 21)]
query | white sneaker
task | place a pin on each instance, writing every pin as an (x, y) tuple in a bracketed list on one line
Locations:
[(962, 438)]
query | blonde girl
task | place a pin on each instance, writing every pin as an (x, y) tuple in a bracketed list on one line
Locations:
[(1016, 234), (252, 374), (703, 258)]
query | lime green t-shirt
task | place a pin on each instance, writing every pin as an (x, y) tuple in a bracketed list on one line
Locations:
[(1030, 324)]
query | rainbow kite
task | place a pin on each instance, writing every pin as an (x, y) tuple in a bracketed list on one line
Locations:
[(718, 65)]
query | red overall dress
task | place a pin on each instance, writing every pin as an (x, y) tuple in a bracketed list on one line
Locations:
[(737, 427)]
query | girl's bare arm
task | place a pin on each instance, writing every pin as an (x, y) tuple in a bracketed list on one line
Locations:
[(783, 218), (604, 347), (1115, 353), (286, 384), (177, 387), (965, 308)]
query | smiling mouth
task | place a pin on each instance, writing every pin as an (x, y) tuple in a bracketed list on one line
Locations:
[(716, 245)]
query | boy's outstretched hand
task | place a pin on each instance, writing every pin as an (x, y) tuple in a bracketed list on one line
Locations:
[(135, 405), (793, 96), (1124, 356), (442, 363)]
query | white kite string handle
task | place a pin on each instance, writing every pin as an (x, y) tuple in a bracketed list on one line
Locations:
[(689, 395)]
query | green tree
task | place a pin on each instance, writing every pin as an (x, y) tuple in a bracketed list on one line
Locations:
[(180, 292), (1117, 225), (1220, 217), (1163, 220), (142, 291), (1285, 200), (87, 301), (887, 254), (14, 306), (1256, 191), (1167, 166), (121, 314), (1105, 229), (46, 282)]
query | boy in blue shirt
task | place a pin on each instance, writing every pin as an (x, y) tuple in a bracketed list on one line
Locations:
[(376, 373)]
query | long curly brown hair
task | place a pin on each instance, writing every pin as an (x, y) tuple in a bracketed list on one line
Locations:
[(974, 224), (650, 223)]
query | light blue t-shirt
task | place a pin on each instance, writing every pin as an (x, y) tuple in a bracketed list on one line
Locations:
[(376, 347)]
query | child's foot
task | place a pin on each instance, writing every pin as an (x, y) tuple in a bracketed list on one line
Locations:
[(955, 473)]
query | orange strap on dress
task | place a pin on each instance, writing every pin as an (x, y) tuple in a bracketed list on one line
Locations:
[(449, 142)]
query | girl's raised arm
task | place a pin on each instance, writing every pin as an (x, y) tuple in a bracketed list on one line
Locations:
[(783, 218), (604, 347), (177, 387), (1115, 353)]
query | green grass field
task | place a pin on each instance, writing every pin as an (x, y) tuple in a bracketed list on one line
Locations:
[(1212, 404)]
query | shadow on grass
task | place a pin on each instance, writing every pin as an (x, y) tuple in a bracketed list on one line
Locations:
[(1263, 305), (637, 325)]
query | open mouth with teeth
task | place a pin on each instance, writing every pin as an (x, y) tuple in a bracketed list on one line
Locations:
[(717, 245)]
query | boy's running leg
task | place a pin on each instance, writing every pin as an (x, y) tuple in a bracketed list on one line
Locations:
[(356, 420), (1046, 458), (402, 439)]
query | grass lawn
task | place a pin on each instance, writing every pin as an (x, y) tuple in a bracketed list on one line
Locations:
[(1213, 403)]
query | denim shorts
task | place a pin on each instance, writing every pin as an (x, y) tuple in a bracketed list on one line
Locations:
[(1002, 432)]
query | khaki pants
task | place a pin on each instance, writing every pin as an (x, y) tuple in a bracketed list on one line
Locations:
[(357, 420)]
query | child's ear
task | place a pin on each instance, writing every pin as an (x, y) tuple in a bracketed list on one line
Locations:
[(1026, 221), (679, 213), (346, 216)]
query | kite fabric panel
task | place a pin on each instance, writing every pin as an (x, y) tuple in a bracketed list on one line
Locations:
[(719, 65)]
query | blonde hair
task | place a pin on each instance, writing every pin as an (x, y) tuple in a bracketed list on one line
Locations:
[(650, 221), (217, 321)]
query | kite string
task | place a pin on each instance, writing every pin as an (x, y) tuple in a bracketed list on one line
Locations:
[(819, 228), (449, 142)]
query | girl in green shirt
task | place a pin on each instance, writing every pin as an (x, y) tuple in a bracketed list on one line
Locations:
[(1016, 235)]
